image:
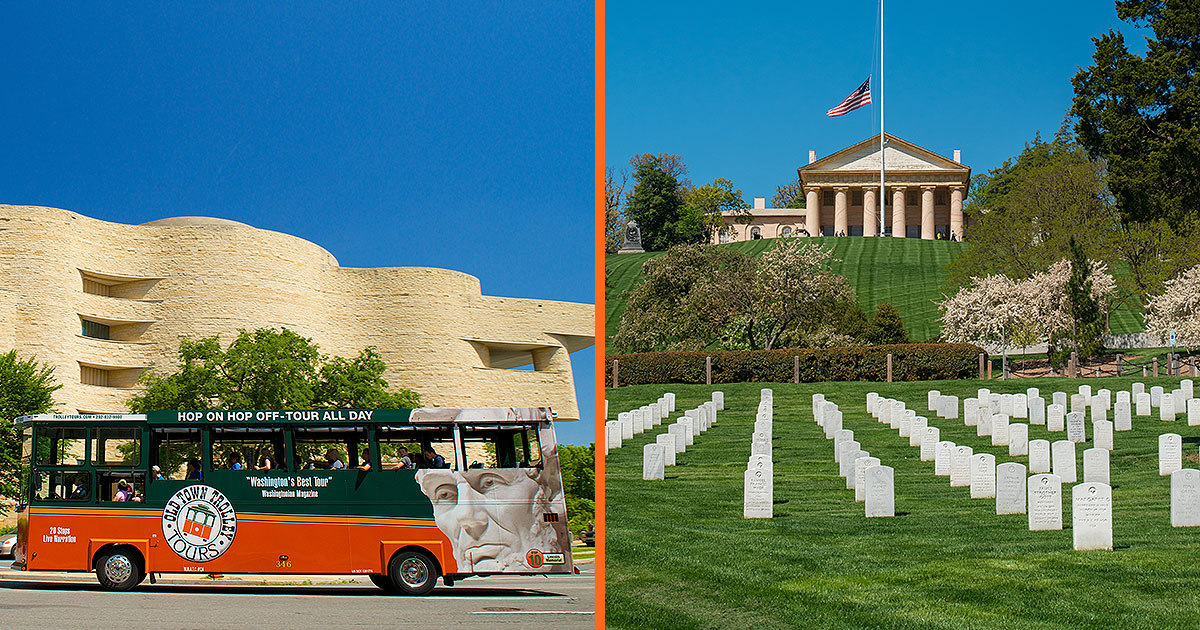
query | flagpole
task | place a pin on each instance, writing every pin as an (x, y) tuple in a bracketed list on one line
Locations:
[(882, 189)]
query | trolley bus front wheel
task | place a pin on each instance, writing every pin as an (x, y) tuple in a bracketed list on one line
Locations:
[(412, 572), (119, 569)]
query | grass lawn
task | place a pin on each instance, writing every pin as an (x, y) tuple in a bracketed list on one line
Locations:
[(680, 555), (906, 272)]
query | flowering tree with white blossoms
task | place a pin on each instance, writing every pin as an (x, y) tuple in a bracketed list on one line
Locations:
[(996, 309), (1178, 309)]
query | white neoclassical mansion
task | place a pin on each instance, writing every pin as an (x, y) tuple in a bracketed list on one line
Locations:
[(924, 196)]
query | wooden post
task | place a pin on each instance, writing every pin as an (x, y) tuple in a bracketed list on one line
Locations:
[(1155, 367), (795, 368), (616, 383), (989, 369), (889, 376), (708, 370), (982, 357), (1120, 364), (1143, 371)]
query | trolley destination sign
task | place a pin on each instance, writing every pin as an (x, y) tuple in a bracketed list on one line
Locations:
[(278, 416)]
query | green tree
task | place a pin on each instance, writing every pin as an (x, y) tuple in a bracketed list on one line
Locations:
[(614, 223), (1086, 330), (26, 387), (657, 202), (578, 465), (887, 326), (695, 297), (1141, 114), (711, 200), (269, 369), (789, 195)]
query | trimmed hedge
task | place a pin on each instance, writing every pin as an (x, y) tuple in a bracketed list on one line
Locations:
[(910, 362)]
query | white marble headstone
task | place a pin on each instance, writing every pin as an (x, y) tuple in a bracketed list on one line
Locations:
[(758, 497), (667, 441), (626, 420), (1039, 456), (999, 429), (1045, 502), (1142, 403), (1020, 406), (1170, 453), (850, 450), (1091, 516), (1193, 411), (1060, 399), (1018, 440), (840, 437), (1095, 465), (1055, 418), (960, 466), (881, 489), (1075, 428), (676, 430), (1185, 498), (1156, 393), (718, 399), (916, 430), (860, 471), (1010, 488), (1078, 403), (1102, 435), (833, 422), (983, 476), (1167, 411), (612, 432), (654, 462), (933, 435), (1063, 454), (945, 454), (970, 412), (1122, 418), (1037, 410)]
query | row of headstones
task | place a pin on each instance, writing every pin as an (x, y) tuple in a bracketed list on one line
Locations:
[(660, 453), (758, 492), (1031, 405), (637, 421), (872, 482), (1007, 482)]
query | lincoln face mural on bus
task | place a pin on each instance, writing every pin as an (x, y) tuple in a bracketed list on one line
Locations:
[(508, 519)]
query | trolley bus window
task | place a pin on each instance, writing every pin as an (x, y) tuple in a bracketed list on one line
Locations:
[(26, 460), (173, 447), (116, 446), (328, 448), (246, 448), (501, 447), (61, 446), (62, 485), (108, 485), (423, 444)]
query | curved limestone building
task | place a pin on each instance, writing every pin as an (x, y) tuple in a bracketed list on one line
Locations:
[(102, 302)]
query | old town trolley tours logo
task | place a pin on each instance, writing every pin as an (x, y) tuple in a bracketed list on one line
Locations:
[(199, 523)]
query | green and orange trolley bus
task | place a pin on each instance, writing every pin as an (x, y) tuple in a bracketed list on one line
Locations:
[(404, 496)]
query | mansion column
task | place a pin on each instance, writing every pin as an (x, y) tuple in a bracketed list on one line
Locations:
[(841, 224), (956, 216), (812, 211), (869, 212), (928, 228), (898, 224)]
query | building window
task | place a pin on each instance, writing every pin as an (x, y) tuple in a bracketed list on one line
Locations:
[(828, 196), (939, 197), (914, 197), (89, 375), (856, 198), (785, 232), (755, 232), (96, 330)]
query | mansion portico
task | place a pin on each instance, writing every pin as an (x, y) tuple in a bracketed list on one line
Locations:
[(924, 191)]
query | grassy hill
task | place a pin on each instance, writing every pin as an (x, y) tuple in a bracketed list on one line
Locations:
[(905, 272), (680, 555)]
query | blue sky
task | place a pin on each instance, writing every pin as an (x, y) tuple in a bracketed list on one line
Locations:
[(391, 134), (740, 90)]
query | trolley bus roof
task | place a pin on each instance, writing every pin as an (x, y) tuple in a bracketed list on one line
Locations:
[(424, 415)]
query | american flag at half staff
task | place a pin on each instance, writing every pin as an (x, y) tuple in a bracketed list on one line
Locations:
[(857, 98)]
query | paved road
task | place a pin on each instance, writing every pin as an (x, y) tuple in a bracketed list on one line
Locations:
[(61, 601)]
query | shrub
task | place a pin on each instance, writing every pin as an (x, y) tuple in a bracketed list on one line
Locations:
[(910, 362)]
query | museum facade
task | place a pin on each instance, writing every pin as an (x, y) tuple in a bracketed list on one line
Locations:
[(924, 196), (103, 302)]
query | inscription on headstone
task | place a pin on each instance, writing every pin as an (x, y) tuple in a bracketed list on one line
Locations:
[(1063, 454), (1122, 418), (933, 435), (758, 501), (960, 466), (667, 441), (880, 498), (945, 454), (1010, 488), (654, 462), (1055, 418), (983, 476), (1091, 516), (1170, 453), (1185, 498), (1045, 502), (1039, 456), (1075, 428)]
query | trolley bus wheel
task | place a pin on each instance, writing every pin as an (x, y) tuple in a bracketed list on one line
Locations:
[(383, 582), (412, 573), (118, 570)]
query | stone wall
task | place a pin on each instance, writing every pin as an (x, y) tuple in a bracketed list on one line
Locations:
[(194, 277)]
